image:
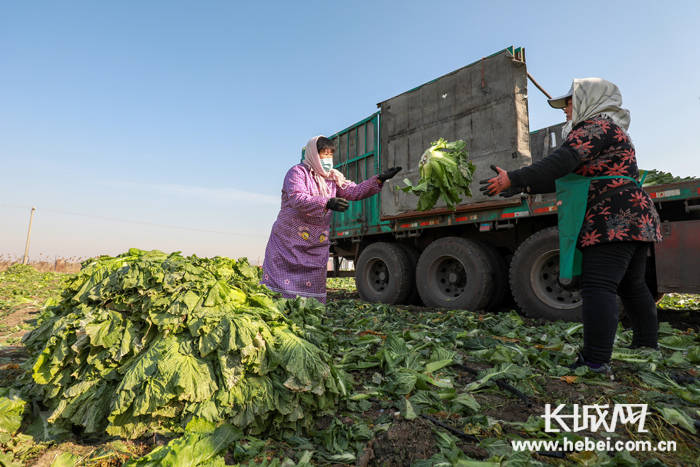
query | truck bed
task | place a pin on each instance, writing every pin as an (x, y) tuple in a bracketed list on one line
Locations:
[(490, 213)]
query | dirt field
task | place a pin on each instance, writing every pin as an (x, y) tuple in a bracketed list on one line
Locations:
[(394, 439), (67, 265)]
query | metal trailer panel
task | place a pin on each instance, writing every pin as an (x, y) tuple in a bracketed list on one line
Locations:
[(484, 103), (678, 257), (357, 157), (545, 140)]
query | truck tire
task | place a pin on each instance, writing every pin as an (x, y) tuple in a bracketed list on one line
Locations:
[(456, 273), (501, 292), (534, 279), (383, 274), (413, 255)]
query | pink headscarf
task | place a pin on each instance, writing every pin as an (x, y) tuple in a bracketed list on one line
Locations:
[(313, 161)]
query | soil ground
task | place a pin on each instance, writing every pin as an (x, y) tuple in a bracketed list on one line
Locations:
[(405, 442)]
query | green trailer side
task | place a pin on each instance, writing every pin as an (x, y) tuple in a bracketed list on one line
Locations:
[(357, 157)]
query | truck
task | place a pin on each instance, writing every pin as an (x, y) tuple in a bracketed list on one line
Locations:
[(486, 253)]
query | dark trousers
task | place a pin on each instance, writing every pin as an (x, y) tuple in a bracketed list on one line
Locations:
[(608, 270)]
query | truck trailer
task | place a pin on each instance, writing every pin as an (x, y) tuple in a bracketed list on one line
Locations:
[(486, 253)]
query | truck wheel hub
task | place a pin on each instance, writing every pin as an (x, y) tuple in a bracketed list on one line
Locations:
[(544, 279), (450, 277), (378, 275)]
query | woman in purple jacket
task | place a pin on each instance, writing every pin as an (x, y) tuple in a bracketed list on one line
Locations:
[(296, 256)]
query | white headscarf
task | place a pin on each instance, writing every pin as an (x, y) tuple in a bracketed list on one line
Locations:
[(313, 162), (593, 97)]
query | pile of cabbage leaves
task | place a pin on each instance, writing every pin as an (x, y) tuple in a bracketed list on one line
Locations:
[(659, 177), (145, 342)]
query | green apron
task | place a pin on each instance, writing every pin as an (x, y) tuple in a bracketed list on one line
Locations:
[(572, 197)]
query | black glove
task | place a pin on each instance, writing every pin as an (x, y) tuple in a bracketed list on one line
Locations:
[(512, 191), (337, 204), (388, 173)]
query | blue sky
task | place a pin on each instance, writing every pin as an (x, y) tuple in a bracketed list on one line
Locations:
[(183, 117)]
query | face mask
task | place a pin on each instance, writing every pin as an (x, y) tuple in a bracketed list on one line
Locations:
[(327, 164)]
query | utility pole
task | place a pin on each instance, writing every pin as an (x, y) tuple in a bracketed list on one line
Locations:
[(29, 234)]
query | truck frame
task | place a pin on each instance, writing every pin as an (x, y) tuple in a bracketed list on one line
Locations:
[(486, 253)]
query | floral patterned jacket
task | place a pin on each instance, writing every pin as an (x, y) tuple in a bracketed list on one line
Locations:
[(613, 213), (618, 210)]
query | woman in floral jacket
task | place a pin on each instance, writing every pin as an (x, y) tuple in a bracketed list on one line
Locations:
[(620, 223)]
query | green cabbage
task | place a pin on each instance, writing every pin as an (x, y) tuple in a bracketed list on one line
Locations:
[(445, 171), (11, 410)]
